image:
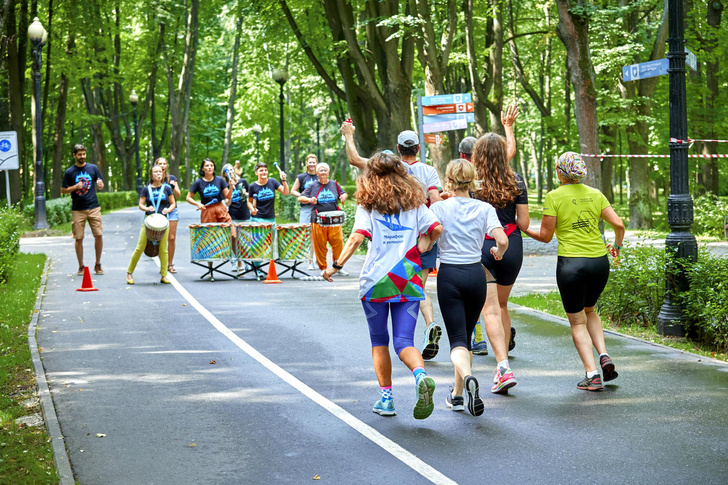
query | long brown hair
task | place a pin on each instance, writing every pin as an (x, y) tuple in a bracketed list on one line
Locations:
[(498, 184), (387, 187)]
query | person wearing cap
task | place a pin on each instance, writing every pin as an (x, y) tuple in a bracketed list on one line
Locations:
[(466, 147), (572, 213)]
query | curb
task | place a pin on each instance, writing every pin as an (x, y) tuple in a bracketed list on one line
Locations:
[(547, 316), (60, 456)]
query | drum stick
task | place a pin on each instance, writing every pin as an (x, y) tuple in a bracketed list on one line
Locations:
[(213, 201), (275, 164)]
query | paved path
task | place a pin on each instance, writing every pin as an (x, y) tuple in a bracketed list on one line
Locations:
[(241, 382)]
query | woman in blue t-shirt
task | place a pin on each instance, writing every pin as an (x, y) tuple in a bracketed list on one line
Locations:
[(173, 215), (212, 189), (262, 195)]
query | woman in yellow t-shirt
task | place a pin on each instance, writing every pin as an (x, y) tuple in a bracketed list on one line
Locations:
[(572, 212)]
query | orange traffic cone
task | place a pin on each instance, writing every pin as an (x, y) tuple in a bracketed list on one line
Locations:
[(433, 273), (272, 273), (87, 284)]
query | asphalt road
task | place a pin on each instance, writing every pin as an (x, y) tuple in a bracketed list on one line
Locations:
[(232, 382)]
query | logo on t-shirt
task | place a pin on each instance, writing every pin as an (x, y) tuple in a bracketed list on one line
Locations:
[(326, 197), (307, 183), (85, 179), (584, 221), (392, 225), (237, 194), (210, 192), (265, 194)]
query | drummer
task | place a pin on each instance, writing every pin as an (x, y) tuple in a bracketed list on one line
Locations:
[(262, 195), (324, 195), (155, 198), (212, 189)]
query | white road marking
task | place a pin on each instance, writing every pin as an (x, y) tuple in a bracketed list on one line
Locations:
[(364, 429)]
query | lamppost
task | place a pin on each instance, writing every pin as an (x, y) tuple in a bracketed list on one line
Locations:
[(281, 76), (38, 37), (317, 114), (257, 130), (134, 99), (680, 244)]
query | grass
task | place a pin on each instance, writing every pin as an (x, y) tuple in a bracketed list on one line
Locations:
[(25, 452), (551, 303)]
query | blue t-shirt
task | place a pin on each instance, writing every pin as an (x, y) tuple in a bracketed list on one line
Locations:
[(209, 191), (304, 180), (239, 205), (85, 197), (163, 191), (265, 197), (327, 196)]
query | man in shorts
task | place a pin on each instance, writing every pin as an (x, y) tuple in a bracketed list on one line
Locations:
[(81, 180)]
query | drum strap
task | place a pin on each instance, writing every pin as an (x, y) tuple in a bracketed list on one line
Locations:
[(322, 188), (156, 203)]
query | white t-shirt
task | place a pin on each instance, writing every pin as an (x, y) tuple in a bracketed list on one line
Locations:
[(392, 270), (426, 175), (465, 222)]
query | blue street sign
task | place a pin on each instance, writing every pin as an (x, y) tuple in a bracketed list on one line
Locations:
[(447, 99), (469, 117), (645, 70)]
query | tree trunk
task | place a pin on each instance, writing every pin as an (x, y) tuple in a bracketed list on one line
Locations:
[(16, 55), (233, 88), (710, 174), (60, 124)]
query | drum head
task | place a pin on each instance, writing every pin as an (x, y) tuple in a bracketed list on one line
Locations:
[(156, 222)]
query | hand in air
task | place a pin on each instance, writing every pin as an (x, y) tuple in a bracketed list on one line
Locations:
[(494, 251), (347, 129), (509, 116), (328, 273)]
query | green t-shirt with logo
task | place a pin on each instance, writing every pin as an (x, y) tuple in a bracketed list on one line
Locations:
[(577, 208)]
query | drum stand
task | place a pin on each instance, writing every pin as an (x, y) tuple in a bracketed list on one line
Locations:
[(292, 266), (212, 268)]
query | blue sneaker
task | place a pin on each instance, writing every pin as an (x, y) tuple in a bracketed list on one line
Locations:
[(384, 408), (425, 404), (430, 346), (479, 348)]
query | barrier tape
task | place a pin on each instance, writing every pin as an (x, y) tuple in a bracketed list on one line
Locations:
[(693, 140), (711, 155)]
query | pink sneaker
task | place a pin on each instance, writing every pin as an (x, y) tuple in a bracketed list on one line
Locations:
[(502, 382)]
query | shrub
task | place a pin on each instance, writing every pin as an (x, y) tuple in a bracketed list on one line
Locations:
[(709, 213), (58, 211), (110, 201), (9, 242), (288, 208)]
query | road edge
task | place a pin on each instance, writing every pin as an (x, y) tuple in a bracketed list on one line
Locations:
[(60, 455)]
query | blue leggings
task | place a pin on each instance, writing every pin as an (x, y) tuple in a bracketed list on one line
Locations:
[(404, 320)]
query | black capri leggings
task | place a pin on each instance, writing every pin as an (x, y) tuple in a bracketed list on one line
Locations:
[(581, 281), (461, 293)]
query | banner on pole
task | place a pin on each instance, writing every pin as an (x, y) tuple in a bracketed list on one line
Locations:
[(9, 159)]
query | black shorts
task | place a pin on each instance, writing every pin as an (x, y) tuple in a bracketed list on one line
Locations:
[(581, 281), (461, 291), (506, 270)]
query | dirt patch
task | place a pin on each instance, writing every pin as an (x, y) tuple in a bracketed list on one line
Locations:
[(45, 233)]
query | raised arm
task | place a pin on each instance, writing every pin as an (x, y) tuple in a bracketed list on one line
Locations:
[(508, 118), (356, 160)]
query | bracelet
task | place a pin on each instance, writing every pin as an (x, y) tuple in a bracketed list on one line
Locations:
[(617, 247), (336, 266)]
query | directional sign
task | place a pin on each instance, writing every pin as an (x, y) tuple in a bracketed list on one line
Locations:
[(645, 70), (436, 139), (9, 150), (445, 126), (691, 60), (446, 99), (469, 117), (442, 109)]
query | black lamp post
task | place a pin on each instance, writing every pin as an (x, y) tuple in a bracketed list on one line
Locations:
[(680, 242), (281, 76), (134, 99), (38, 37), (317, 114), (257, 130)]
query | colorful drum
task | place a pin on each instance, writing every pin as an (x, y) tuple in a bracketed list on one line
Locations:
[(155, 225), (294, 241), (210, 242), (331, 218), (255, 241)]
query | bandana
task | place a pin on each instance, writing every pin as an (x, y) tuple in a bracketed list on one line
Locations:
[(571, 166)]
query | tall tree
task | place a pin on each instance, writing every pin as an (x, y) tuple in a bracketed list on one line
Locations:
[(60, 124), (233, 90)]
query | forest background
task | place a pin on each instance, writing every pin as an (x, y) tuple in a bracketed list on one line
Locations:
[(202, 71)]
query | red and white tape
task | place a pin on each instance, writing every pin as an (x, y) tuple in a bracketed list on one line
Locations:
[(710, 155), (691, 140)]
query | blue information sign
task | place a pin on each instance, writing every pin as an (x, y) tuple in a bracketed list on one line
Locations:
[(469, 117), (645, 70), (447, 99)]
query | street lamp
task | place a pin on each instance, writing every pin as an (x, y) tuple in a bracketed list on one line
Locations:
[(680, 243), (281, 76), (134, 99), (317, 114), (38, 37), (257, 130)]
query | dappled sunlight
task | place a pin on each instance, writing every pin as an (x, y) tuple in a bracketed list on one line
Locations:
[(249, 395)]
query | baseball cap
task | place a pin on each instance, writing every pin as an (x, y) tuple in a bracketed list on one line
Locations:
[(467, 145), (408, 138)]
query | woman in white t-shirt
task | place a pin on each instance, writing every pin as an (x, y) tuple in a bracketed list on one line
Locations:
[(393, 215), (461, 282)]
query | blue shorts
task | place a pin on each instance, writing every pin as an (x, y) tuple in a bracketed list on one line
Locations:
[(428, 259), (305, 216), (404, 320), (174, 215)]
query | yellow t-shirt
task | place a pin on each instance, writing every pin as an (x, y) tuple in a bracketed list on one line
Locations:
[(577, 208)]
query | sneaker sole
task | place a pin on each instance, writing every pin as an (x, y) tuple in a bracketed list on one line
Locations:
[(481, 351), (502, 388), (455, 407), (608, 372), (431, 346), (383, 412), (512, 343), (591, 388), (475, 404), (425, 404)]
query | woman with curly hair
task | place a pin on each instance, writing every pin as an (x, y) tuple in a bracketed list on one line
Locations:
[(393, 216), (505, 190)]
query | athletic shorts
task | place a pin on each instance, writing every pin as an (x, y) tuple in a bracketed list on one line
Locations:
[(79, 218), (506, 270), (461, 290), (305, 215), (581, 281), (173, 216), (428, 259)]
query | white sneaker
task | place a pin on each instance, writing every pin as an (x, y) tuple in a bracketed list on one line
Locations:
[(343, 273), (310, 267)]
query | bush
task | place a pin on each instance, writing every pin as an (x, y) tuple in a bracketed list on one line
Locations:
[(709, 213), (110, 201), (288, 208), (9, 242), (58, 211)]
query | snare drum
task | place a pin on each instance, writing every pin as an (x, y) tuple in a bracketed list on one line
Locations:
[(156, 226), (294, 241), (210, 242), (331, 218), (255, 241)]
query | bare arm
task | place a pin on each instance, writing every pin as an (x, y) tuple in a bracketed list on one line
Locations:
[(434, 195), (143, 205), (508, 118), (343, 198), (294, 189), (546, 234), (356, 160), (175, 189), (72, 188), (283, 189), (523, 219), (352, 244), (251, 206), (172, 205), (191, 200), (425, 241), (614, 220), (501, 243)]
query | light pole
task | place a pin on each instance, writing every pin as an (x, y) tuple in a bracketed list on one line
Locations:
[(38, 37), (257, 130), (134, 99), (317, 114), (281, 76), (680, 244)]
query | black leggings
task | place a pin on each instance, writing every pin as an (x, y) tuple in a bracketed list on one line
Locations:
[(581, 281), (461, 293), (506, 270)]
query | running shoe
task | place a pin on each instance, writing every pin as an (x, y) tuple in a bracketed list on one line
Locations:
[(479, 348), (591, 384), (384, 408), (456, 403), (343, 273), (472, 391), (502, 381), (430, 346), (608, 368), (512, 343), (425, 404)]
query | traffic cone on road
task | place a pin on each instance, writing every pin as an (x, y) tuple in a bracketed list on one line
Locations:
[(433, 273), (87, 284), (272, 273)]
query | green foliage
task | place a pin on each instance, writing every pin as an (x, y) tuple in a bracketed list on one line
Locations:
[(110, 201), (287, 209), (9, 242), (709, 212), (58, 211)]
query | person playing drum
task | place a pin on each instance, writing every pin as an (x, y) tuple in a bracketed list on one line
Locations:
[(173, 215), (212, 190), (155, 198), (262, 195), (324, 195)]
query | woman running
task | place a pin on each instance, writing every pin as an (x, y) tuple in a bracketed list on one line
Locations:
[(392, 214), (212, 189), (173, 215), (572, 212), (461, 282), (157, 197)]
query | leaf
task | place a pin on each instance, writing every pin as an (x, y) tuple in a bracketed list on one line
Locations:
[(213, 362), (316, 477)]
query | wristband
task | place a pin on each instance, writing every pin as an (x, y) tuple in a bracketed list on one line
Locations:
[(617, 247), (336, 266)]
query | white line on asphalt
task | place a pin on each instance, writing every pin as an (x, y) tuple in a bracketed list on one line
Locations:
[(364, 429)]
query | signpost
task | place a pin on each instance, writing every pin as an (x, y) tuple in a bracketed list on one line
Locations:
[(444, 112), (442, 109), (437, 140), (468, 117), (644, 70), (9, 159)]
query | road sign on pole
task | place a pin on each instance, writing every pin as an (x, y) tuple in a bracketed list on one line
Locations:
[(447, 99), (435, 139), (445, 126), (469, 117), (442, 109), (9, 151), (644, 70)]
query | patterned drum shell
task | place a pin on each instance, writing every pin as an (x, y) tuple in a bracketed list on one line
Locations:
[(294, 241), (156, 225), (210, 242), (255, 241), (331, 218)]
